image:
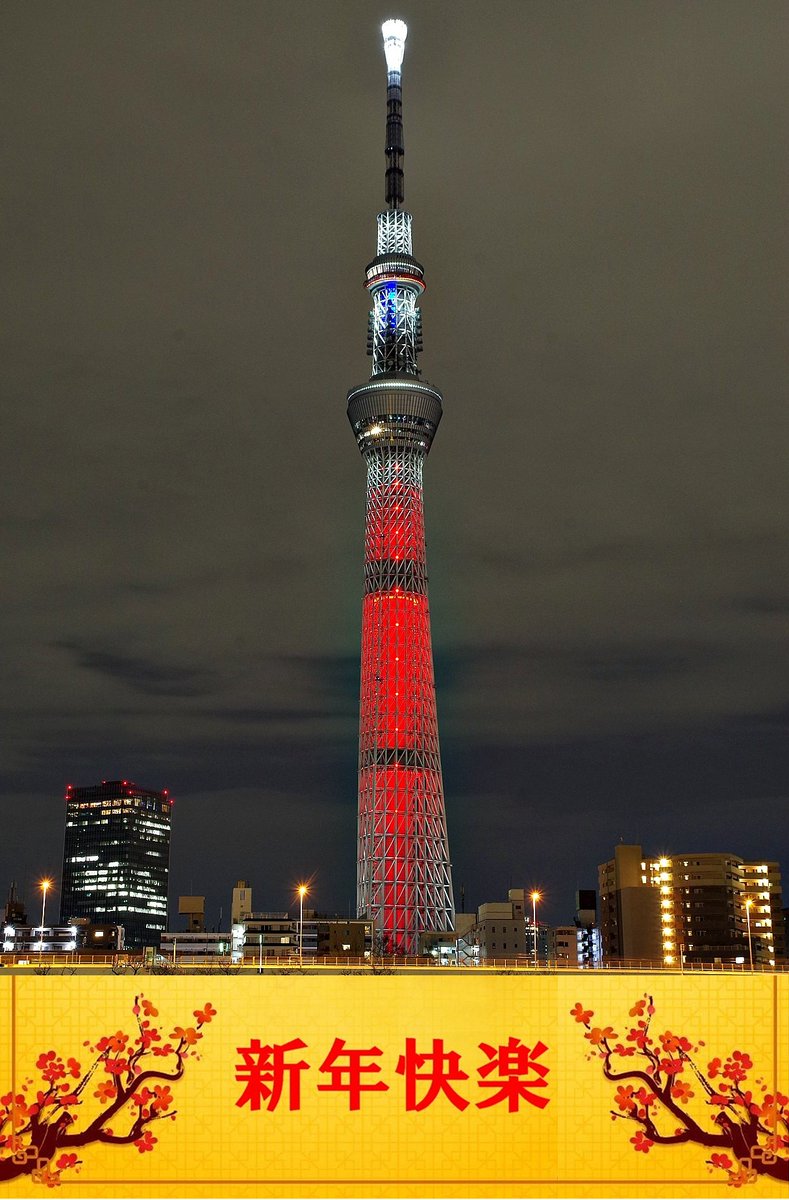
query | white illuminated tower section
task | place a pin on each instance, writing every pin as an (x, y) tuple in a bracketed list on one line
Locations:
[(404, 881)]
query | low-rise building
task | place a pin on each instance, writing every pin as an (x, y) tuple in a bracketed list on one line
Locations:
[(203, 946), (505, 929), (80, 936)]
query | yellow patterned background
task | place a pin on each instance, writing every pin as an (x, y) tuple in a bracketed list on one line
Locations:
[(572, 1147)]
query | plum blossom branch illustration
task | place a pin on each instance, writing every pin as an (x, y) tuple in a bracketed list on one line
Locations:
[(115, 1099), (671, 1099)]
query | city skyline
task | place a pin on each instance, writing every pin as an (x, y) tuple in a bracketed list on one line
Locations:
[(597, 194)]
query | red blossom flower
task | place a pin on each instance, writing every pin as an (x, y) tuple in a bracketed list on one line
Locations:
[(671, 1066), (203, 1015), (190, 1035), (672, 1042), (148, 1036), (73, 1067), (624, 1051), (721, 1160), (115, 1042), (597, 1035), (65, 1161), (682, 1091), (116, 1066), (141, 1098), (161, 1051), (582, 1015), (638, 1008), (642, 1142), (736, 1068), (106, 1091), (164, 1099), (713, 1067), (149, 1010), (19, 1113), (624, 1098), (146, 1142), (51, 1066)]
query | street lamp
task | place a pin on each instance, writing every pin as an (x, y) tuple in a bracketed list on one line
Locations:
[(46, 884), (302, 893), (535, 896), (748, 904)]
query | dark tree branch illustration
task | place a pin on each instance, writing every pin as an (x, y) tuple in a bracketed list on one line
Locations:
[(116, 1099), (670, 1099)]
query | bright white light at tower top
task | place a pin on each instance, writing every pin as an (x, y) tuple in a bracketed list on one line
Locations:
[(395, 33)]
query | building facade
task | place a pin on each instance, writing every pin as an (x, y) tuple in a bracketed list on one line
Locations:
[(116, 859), (629, 908), (701, 907), (264, 936), (404, 882), (77, 938), (721, 908), (505, 929)]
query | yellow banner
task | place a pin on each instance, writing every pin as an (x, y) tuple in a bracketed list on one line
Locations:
[(453, 1084)]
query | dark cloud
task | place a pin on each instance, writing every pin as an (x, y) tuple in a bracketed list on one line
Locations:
[(153, 678), (597, 197)]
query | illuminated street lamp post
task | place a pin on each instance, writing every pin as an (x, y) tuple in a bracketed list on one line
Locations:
[(748, 904), (46, 884), (535, 896), (302, 894)]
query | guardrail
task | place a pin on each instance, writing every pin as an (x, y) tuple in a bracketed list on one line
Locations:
[(48, 963)]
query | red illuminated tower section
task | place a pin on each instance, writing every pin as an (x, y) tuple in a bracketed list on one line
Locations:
[(404, 881)]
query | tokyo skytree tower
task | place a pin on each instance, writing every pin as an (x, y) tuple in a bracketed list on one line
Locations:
[(404, 880)]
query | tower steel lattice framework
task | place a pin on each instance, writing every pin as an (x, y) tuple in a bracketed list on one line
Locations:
[(404, 880)]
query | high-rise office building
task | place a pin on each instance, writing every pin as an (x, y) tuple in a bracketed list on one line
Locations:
[(404, 882), (116, 859)]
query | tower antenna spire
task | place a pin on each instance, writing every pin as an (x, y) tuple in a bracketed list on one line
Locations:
[(394, 35)]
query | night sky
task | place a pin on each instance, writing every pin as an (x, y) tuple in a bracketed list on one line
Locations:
[(598, 193)]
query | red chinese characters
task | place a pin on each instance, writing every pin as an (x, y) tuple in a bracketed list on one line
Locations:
[(346, 1070), (513, 1072), (264, 1070), (444, 1070)]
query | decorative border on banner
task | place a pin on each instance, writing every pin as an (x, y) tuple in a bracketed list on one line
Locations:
[(701, 1186)]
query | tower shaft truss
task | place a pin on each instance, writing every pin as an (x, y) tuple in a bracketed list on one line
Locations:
[(404, 881)]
